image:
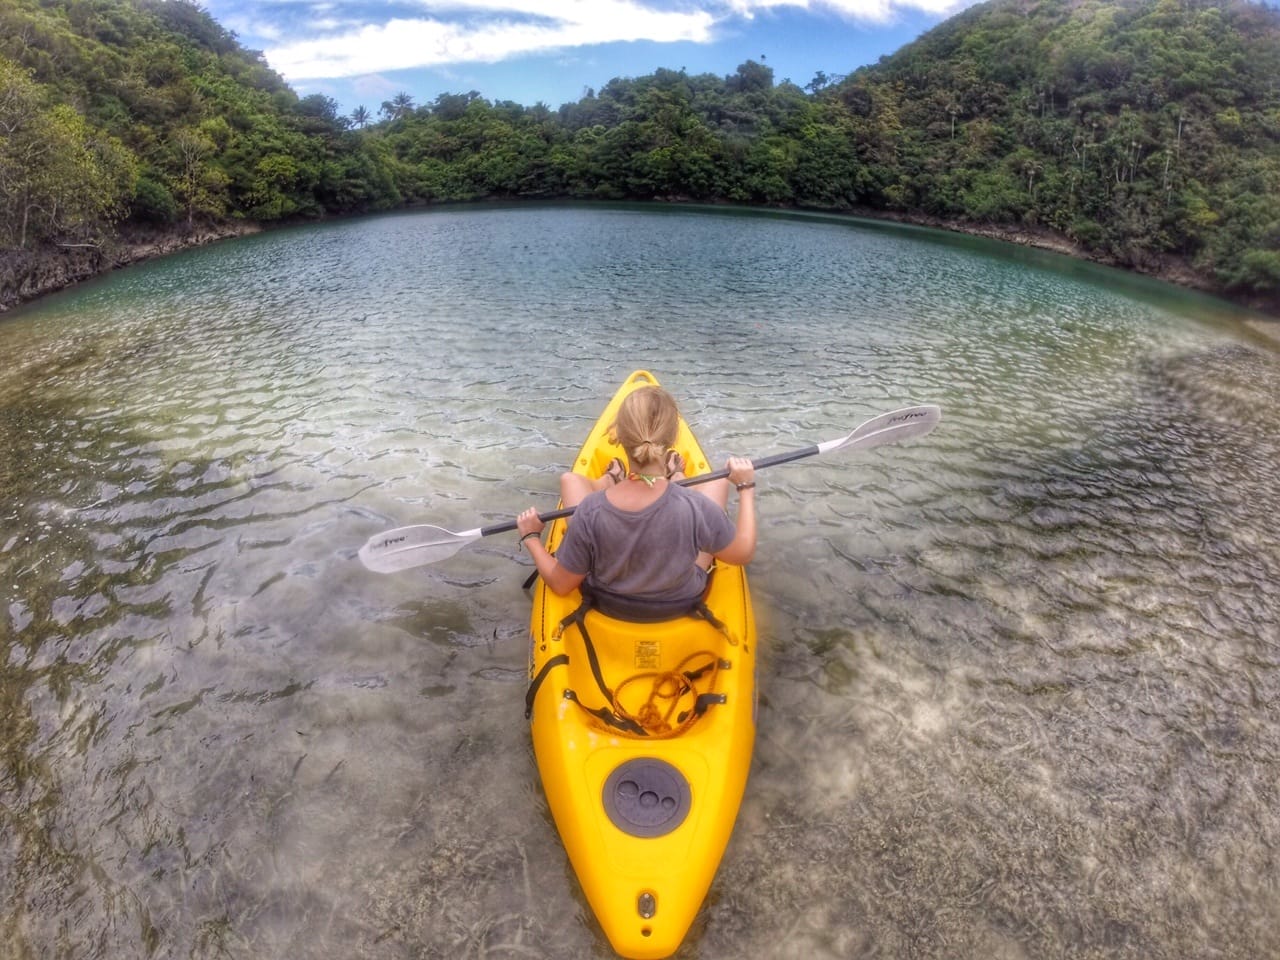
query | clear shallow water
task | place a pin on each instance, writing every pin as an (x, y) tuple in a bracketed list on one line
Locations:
[(1019, 685)]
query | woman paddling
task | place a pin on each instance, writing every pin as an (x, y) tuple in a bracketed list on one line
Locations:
[(639, 540)]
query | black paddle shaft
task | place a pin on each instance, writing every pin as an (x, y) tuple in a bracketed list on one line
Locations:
[(770, 461)]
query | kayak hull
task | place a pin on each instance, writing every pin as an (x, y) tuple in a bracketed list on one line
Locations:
[(645, 818)]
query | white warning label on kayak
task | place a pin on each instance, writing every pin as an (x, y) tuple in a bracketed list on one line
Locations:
[(648, 654)]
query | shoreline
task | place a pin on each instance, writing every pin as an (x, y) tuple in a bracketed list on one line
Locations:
[(1170, 270), (1167, 268), (26, 276), (29, 275)]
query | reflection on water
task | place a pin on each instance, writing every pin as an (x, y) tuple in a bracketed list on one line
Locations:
[(1019, 685)]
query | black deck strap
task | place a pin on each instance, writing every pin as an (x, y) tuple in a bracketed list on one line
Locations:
[(605, 713), (708, 699), (711, 664), (702, 703), (556, 661), (609, 717), (702, 610), (579, 617)]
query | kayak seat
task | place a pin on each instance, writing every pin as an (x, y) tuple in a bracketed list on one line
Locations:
[(657, 702)]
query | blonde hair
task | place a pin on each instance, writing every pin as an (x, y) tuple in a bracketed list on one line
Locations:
[(647, 425)]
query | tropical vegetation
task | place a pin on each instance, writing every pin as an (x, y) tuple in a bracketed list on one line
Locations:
[(1146, 131)]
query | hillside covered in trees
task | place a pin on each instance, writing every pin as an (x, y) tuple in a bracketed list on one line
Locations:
[(1145, 131)]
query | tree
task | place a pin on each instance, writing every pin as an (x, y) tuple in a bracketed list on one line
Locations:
[(59, 179), (751, 76), (398, 107), (821, 81), (360, 117), (197, 184)]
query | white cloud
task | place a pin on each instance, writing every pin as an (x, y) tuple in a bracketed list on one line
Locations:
[(875, 11), (333, 42), (375, 85), (528, 26)]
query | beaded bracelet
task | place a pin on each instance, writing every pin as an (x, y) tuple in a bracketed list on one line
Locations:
[(745, 486)]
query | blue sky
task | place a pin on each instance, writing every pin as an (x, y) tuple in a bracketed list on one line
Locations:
[(551, 51)]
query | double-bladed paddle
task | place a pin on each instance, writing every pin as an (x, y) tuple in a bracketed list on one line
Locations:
[(407, 547)]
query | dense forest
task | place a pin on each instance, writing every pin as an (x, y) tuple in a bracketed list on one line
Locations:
[(1145, 131)]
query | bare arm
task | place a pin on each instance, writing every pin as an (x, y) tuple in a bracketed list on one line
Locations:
[(556, 577), (743, 545)]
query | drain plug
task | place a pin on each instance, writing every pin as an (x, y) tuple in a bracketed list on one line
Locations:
[(646, 906)]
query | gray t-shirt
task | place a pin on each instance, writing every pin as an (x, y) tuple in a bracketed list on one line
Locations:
[(646, 554)]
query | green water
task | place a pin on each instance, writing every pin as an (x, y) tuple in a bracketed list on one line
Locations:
[(1019, 679)]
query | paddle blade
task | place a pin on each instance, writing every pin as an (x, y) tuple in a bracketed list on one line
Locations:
[(889, 427), (406, 547)]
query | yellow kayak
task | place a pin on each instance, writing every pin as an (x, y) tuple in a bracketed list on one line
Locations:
[(643, 734)]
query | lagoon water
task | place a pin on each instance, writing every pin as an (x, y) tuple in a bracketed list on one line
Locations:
[(1020, 686)]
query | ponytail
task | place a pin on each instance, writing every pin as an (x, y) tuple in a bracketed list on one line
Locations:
[(647, 424)]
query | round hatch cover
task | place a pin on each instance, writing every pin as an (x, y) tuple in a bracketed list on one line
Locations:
[(646, 797)]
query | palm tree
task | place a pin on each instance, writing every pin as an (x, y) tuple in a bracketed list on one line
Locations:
[(401, 105), (360, 117)]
